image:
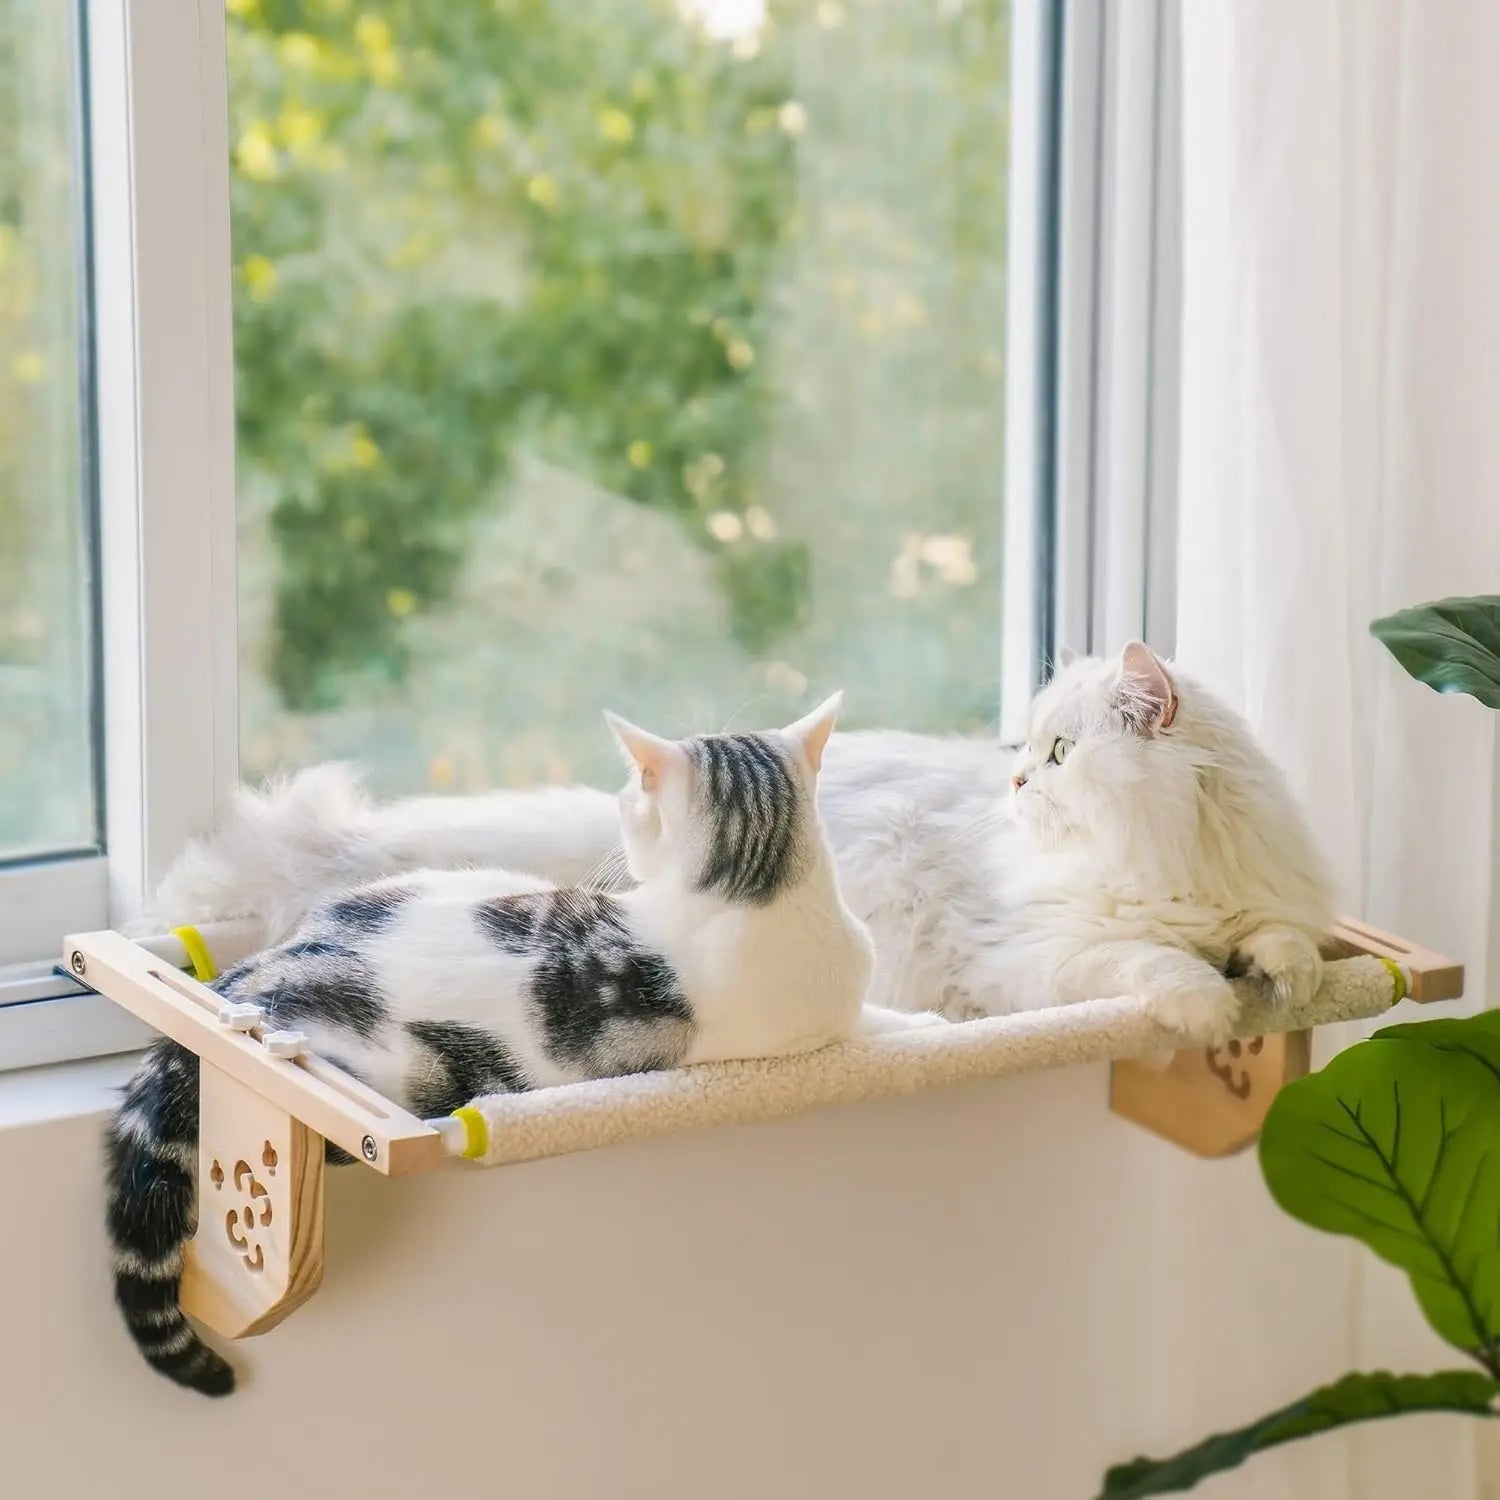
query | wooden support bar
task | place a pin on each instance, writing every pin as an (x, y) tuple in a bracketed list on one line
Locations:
[(1433, 977), (325, 1098)]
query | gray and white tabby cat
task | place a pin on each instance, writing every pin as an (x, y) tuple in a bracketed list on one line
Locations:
[(436, 986), (1141, 842)]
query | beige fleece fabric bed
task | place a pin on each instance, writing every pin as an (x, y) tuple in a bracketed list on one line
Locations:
[(578, 1117)]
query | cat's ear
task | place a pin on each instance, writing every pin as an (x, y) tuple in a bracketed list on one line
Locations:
[(1146, 689), (811, 731), (1066, 656), (653, 756)]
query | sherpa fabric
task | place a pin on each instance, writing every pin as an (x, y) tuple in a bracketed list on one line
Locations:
[(581, 1116)]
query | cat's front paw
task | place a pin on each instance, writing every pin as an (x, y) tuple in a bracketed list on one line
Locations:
[(1203, 1009), (1285, 962), (877, 1020)]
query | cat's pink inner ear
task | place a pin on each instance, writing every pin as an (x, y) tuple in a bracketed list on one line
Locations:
[(1150, 685), (1065, 658), (812, 730), (649, 753)]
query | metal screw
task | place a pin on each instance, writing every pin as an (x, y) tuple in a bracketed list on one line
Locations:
[(368, 1149), (77, 963)]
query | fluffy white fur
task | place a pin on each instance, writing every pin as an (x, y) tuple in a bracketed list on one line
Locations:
[(1162, 847), (1153, 844), (281, 851), (762, 980)]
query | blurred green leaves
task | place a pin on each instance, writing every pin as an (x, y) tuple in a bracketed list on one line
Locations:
[(464, 229), (642, 354)]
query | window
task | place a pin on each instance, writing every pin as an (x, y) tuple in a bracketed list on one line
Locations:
[(50, 811), (146, 78), (461, 369), (48, 801), (587, 353)]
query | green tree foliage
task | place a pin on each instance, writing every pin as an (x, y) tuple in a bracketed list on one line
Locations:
[(567, 215), (646, 354)]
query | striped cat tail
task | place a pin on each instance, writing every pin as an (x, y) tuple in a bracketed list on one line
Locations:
[(152, 1170)]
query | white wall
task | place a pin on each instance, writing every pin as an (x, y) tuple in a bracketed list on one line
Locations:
[(977, 1292)]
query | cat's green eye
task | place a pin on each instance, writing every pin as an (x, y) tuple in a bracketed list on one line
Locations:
[(1060, 750)]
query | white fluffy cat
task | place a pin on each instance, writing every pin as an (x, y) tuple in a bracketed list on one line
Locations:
[(1141, 843)]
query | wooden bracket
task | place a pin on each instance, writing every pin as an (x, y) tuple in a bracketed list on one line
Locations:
[(258, 1252), (309, 1088), (1212, 1101), (263, 1122)]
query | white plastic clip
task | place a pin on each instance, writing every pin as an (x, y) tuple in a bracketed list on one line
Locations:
[(285, 1043), (238, 1017)]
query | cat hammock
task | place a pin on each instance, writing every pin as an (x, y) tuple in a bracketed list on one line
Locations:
[(268, 1104)]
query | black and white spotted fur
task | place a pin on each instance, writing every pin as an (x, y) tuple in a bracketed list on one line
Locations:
[(441, 986)]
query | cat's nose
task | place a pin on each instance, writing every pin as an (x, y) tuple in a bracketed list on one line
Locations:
[(1018, 781)]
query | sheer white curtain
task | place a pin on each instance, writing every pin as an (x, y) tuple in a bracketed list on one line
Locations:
[(1340, 449), (1340, 457)]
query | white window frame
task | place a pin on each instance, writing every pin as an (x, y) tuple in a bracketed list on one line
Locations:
[(165, 400), (1091, 491), (158, 167), (1088, 528)]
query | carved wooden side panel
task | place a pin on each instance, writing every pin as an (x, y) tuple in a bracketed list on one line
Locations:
[(258, 1253), (1210, 1100)]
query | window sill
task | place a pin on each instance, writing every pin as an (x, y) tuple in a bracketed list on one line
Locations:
[(62, 1091), (45, 1017), (56, 1022)]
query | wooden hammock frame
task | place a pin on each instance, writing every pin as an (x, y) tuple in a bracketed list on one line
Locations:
[(267, 1104)]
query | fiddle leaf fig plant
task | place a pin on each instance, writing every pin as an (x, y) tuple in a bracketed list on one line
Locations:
[(1453, 645), (1396, 1142), (1355, 1398)]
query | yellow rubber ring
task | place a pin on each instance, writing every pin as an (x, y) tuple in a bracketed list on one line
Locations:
[(1398, 978), (476, 1132), (205, 971)]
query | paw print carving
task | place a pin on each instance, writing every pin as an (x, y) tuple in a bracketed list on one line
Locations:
[(1224, 1062), (244, 1222)]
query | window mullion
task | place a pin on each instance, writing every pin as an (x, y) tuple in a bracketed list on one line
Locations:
[(160, 182), (1076, 433), (1114, 544), (1030, 359)]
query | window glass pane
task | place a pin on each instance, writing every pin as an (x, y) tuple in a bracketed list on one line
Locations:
[(47, 798), (644, 353)]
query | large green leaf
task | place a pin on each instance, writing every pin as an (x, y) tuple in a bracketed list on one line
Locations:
[(1355, 1398), (1397, 1142), (1452, 645)]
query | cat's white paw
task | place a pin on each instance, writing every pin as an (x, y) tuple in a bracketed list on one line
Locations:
[(877, 1020), (1284, 961), (1203, 1009)]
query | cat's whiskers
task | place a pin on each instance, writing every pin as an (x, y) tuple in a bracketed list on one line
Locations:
[(728, 724), (610, 872), (980, 825)]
